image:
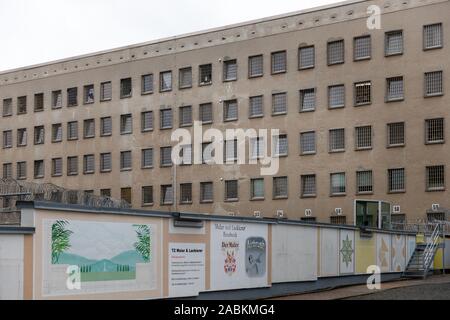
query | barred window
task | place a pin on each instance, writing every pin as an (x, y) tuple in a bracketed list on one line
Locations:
[(165, 116), (363, 137), (38, 102), (257, 147), (22, 105), (230, 70), (7, 171), (147, 195), (88, 94), (126, 124), (230, 111), (105, 192), (185, 80), (125, 160), (396, 178), (434, 129), (257, 188), (231, 150), (72, 97), (308, 142), (166, 156), (7, 139), (206, 113), (105, 126), (89, 128), (280, 145), (307, 99), (432, 36), (21, 170), (336, 96), (165, 81), (433, 84), (185, 116), (362, 48), (363, 93), (231, 190), (57, 164), (337, 140), (57, 132), (205, 74), (7, 107), (38, 169), (125, 88), (279, 103), (207, 152), (396, 134), (308, 183), (166, 194), (147, 83), (186, 154), (56, 99), (342, 220), (72, 166), (21, 137), (364, 181), (88, 164), (105, 162), (335, 52), (337, 183), (435, 178), (39, 135), (147, 158), (394, 43), (126, 194), (280, 187), (186, 193), (279, 62), (206, 192), (256, 106), (105, 91), (255, 66), (394, 89), (146, 121), (306, 57)]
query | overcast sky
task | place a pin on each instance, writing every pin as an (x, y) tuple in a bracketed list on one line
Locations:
[(36, 31)]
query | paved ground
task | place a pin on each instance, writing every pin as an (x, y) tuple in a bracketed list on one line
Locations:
[(434, 287)]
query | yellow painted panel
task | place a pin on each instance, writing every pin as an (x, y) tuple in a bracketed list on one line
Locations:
[(420, 238), (364, 253), (438, 264)]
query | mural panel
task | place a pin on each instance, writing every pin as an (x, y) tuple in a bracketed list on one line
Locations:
[(411, 246), (398, 253), (347, 252), (365, 252), (384, 252), (329, 252)]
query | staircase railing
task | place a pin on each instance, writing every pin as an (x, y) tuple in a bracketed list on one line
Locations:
[(430, 248)]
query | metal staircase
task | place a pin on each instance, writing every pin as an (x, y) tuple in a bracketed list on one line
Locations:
[(420, 263)]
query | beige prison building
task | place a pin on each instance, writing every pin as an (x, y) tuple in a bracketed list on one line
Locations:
[(362, 114)]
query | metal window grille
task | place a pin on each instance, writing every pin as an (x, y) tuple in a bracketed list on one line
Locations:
[(435, 178), (21, 170), (147, 195), (306, 57), (185, 77), (126, 123), (256, 106), (147, 83), (337, 183), (280, 187), (308, 99), (433, 83), (308, 142), (257, 147), (166, 156), (207, 155), (394, 42), (231, 150), (89, 163), (105, 91), (39, 168), (39, 135), (206, 114), (342, 220), (105, 162), (396, 133), (337, 140), (165, 118), (395, 88), (186, 154), (22, 105), (396, 179), (39, 102), (7, 171), (21, 137), (56, 99), (434, 130), (257, 188), (364, 181), (363, 137), (7, 107), (7, 139), (72, 166), (147, 158), (125, 160), (125, 88), (255, 66), (185, 116), (230, 70), (206, 191), (336, 96), (231, 190), (57, 132), (88, 94), (279, 103), (72, 97), (165, 81), (105, 192), (362, 47), (186, 193), (89, 128), (335, 52), (279, 61), (231, 110), (281, 145), (432, 36), (57, 166), (126, 194), (106, 126), (146, 121), (308, 185), (205, 74), (166, 194), (363, 93)]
